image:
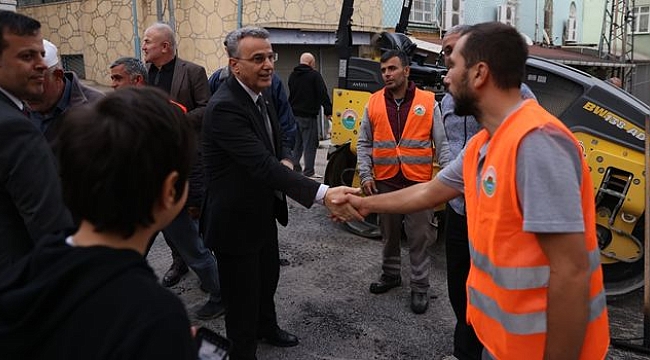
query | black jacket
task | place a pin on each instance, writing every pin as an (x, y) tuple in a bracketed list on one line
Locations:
[(31, 204), (64, 302), (243, 173), (307, 92)]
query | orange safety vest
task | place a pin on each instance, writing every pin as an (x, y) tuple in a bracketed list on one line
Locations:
[(508, 281), (414, 153)]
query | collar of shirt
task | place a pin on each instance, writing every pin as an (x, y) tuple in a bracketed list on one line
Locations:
[(250, 92), (43, 121), (166, 67), (169, 67), (65, 99), (11, 97), (410, 92)]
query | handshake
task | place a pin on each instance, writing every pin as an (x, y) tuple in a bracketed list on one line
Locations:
[(345, 204)]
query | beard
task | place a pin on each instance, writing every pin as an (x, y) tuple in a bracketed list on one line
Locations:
[(465, 102)]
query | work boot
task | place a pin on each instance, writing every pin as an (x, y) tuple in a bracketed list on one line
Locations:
[(385, 283), (174, 274), (419, 302), (211, 310)]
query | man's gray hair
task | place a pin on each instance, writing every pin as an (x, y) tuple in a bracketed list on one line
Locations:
[(458, 29), (233, 38), (167, 32), (132, 66)]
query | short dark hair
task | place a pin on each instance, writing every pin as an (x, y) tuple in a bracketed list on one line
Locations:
[(16, 24), (502, 48), (132, 66), (114, 156), (403, 58)]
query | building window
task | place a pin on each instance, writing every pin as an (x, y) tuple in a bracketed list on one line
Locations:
[(74, 62), (641, 19), (422, 11), (453, 13)]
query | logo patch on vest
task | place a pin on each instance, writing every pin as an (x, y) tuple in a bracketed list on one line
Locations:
[(349, 118), (419, 110), (489, 181)]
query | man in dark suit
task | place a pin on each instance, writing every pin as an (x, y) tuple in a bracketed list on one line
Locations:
[(30, 192), (187, 84), (248, 173)]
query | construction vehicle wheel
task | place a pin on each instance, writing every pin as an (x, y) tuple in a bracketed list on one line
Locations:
[(340, 170), (621, 277)]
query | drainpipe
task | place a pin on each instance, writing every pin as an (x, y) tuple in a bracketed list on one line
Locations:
[(136, 35), (536, 19), (172, 18), (240, 10), (159, 11)]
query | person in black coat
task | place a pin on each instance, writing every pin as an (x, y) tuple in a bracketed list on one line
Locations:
[(31, 204), (248, 173), (90, 294)]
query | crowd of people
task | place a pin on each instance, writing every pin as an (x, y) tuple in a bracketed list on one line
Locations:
[(89, 180)]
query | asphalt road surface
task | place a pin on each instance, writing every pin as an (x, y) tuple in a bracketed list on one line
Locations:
[(323, 297)]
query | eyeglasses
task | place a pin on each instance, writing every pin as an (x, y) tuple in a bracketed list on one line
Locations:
[(260, 58)]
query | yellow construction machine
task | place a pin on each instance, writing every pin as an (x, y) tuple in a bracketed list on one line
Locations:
[(608, 122)]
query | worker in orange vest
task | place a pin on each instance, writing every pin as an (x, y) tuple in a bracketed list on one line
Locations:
[(535, 287), (395, 149)]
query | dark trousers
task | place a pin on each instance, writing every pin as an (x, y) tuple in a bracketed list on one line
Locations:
[(182, 234), (307, 143), (248, 285), (466, 344)]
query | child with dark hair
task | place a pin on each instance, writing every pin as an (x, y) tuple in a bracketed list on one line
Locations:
[(124, 163)]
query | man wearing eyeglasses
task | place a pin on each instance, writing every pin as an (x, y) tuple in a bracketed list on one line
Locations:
[(249, 174), (187, 84)]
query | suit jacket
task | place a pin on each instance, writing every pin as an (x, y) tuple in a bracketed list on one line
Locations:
[(243, 173), (190, 88), (31, 204)]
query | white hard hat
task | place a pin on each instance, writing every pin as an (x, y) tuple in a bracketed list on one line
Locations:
[(51, 54)]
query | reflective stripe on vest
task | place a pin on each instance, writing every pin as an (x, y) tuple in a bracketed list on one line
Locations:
[(529, 323), (414, 153), (507, 285), (522, 278)]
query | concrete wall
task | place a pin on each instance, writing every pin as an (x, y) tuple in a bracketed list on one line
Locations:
[(102, 30), (592, 21)]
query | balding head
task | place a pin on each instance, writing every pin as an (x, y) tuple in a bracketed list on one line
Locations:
[(308, 59), (159, 44)]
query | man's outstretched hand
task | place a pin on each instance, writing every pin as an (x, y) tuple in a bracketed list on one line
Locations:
[(337, 203)]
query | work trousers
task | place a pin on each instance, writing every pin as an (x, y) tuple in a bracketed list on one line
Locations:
[(466, 344), (249, 281), (183, 233), (420, 234), (307, 143)]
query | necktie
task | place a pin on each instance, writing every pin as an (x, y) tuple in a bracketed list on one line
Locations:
[(261, 105)]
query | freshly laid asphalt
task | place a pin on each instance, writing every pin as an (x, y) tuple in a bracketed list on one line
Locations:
[(323, 297)]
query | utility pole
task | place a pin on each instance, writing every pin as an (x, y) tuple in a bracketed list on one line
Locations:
[(616, 40)]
